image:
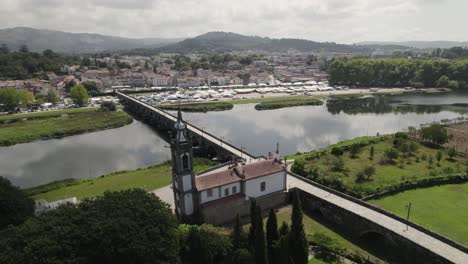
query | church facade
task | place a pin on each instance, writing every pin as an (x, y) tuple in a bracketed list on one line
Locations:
[(218, 196)]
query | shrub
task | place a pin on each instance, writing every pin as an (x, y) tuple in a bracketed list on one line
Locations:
[(390, 154), (336, 151)]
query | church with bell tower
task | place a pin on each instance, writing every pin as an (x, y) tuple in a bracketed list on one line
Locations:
[(183, 176), (217, 196)]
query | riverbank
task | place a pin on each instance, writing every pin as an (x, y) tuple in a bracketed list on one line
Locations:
[(149, 178), (281, 100), (23, 128), (362, 167), (443, 209)]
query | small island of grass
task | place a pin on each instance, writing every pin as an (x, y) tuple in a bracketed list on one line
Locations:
[(23, 128), (277, 103), (199, 107)]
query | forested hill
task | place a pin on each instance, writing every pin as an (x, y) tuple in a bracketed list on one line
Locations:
[(226, 42), (63, 42)]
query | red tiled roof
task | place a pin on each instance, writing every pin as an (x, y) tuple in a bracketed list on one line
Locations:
[(238, 173)]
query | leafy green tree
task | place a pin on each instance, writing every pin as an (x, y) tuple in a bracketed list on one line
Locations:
[(130, 226), (451, 153), (9, 98), (79, 95), (299, 248), (354, 150), (52, 98), (336, 151), (443, 81), (371, 153), (90, 86), (390, 154), (272, 234), (438, 157), (338, 164), (430, 161), (108, 107), (26, 98), (15, 205), (435, 133)]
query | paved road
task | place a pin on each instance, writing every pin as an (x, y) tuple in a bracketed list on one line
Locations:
[(440, 248), (193, 129)]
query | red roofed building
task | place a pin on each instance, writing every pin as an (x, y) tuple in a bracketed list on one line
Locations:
[(219, 195)]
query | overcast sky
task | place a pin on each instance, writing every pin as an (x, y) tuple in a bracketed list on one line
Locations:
[(345, 21)]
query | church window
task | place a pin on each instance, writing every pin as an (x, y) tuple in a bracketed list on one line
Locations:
[(185, 162), (226, 192), (262, 186), (209, 193), (234, 189)]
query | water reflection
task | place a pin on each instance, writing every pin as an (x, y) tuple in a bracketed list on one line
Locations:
[(83, 156), (297, 129)]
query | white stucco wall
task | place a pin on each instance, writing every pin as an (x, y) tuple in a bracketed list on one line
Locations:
[(187, 182), (204, 194), (188, 204), (274, 182)]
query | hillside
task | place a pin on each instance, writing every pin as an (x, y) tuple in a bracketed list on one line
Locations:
[(421, 44), (226, 41), (58, 41)]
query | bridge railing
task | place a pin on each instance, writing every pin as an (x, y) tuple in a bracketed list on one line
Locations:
[(204, 132), (382, 211)]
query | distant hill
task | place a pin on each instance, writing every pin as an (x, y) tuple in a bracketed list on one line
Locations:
[(58, 41), (225, 42), (421, 44)]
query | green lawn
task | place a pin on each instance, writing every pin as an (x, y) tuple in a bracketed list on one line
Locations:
[(147, 178), (52, 113), (443, 209), (385, 174), (58, 124), (287, 102)]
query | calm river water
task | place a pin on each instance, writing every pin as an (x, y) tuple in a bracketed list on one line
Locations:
[(297, 129)]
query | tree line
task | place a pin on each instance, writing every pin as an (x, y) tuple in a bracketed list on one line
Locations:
[(399, 72), (133, 226), (23, 64)]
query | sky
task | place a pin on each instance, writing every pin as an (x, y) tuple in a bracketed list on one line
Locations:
[(343, 21)]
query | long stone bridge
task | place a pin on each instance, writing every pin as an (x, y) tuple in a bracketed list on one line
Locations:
[(406, 241)]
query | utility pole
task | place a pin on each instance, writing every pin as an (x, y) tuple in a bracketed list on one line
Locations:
[(408, 207)]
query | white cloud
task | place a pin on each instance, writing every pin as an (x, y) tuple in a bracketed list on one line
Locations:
[(322, 20)]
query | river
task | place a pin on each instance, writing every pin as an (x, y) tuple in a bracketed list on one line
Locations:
[(297, 129)]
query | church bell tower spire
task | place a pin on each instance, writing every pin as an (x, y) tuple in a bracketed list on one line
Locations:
[(183, 176)]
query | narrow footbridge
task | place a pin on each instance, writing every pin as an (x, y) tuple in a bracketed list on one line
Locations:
[(408, 242)]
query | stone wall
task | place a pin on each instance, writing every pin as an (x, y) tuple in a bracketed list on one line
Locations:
[(226, 212), (399, 248)]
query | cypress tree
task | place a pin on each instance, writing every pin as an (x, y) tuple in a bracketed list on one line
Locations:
[(253, 223), (237, 234), (272, 234), (282, 251), (260, 244), (299, 249)]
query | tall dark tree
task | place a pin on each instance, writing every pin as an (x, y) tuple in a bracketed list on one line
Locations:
[(282, 254), (299, 248), (238, 234), (15, 205), (260, 245), (253, 223), (284, 229), (272, 234)]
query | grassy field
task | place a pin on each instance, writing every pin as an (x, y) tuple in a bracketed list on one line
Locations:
[(147, 178), (414, 166), (37, 115), (199, 107), (56, 124), (287, 102), (443, 209)]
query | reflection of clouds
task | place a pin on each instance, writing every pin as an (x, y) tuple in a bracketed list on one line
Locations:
[(83, 156), (301, 128)]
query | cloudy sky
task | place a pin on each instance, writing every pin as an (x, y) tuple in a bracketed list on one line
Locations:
[(345, 21)]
